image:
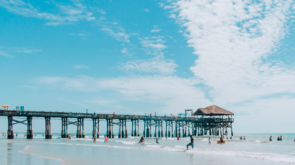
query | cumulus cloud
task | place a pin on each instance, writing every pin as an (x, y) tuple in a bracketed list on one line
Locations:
[(233, 41)]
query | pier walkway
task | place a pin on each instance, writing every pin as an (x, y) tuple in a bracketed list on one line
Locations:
[(175, 125)]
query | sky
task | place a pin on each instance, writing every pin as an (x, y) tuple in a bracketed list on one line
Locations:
[(154, 56)]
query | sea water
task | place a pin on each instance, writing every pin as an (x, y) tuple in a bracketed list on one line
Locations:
[(256, 149)]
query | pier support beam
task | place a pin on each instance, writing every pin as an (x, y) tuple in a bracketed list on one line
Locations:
[(231, 130), (122, 125), (150, 130), (166, 130), (64, 127), (10, 134), (135, 126), (162, 134), (79, 128), (95, 125), (119, 134), (97, 136), (172, 129), (144, 129), (132, 127), (29, 128), (126, 132), (155, 134), (138, 134), (48, 134)]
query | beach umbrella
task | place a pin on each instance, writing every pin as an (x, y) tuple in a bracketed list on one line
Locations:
[(182, 114), (5, 106)]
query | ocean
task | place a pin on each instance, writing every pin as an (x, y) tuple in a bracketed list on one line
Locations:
[(256, 149)]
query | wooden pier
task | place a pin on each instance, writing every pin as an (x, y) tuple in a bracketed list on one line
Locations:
[(212, 120)]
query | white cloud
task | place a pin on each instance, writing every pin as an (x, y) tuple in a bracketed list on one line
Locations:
[(176, 94), (83, 35), (156, 29), (2, 53), (70, 13), (80, 66), (24, 50), (153, 42), (154, 65), (230, 55), (126, 52), (147, 10), (117, 32), (172, 16), (6, 51)]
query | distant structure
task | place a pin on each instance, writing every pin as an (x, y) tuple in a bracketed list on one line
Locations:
[(221, 119), (211, 120)]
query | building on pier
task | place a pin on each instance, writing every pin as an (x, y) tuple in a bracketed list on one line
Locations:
[(218, 120)]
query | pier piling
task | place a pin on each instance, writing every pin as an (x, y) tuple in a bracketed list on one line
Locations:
[(48, 134), (10, 134), (29, 128)]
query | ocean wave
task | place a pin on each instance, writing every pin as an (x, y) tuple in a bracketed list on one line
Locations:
[(124, 142), (153, 146), (266, 156)]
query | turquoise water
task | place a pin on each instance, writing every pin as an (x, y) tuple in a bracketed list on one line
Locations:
[(256, 149)]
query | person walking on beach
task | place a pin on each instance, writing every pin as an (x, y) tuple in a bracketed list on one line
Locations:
[(191, 143), (106, 139), (209, 140), (141, 139), (177, 137)]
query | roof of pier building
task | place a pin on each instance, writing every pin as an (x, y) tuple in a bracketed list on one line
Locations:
[(212, 110)]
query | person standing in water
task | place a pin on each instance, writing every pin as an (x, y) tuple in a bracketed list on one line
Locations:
[(191, 143), (270, 138), (106, 139), (157, 140), (141, 139)]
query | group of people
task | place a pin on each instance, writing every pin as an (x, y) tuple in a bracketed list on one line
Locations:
[(280, 138), (241, 138)]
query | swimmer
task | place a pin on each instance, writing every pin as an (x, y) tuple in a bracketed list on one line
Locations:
[(141, 139), (191, 143)]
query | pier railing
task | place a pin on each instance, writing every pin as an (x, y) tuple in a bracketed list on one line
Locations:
[(109, 116)]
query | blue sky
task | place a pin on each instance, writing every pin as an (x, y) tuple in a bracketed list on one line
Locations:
[(151, 56)]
